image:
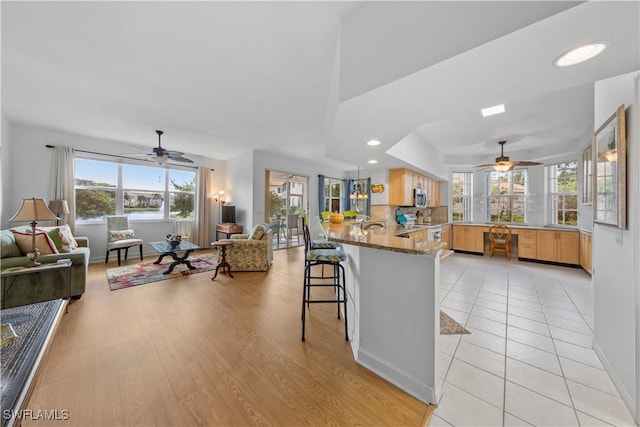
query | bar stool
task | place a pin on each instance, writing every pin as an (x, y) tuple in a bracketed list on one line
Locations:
[(320, 243), (330, 257)]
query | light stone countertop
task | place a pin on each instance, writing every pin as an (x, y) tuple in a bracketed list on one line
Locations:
[(382, 238)]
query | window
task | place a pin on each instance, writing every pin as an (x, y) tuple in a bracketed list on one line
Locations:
[(587, 176), (563, 193), (140, 192), (462, 183), (333, 195), (506, 196)]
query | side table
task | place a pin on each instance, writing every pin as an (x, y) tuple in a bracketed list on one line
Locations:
[(221, 245), (228, 229), (12, 272)]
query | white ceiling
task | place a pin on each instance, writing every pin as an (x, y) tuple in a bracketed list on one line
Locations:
[(221, 78)]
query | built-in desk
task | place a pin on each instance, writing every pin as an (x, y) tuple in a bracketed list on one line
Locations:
[(556, 245)]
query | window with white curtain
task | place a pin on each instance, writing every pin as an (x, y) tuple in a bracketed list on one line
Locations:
[(461, 196), (139, 191)]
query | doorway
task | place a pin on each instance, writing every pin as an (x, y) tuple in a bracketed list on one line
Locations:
[(287, 200)]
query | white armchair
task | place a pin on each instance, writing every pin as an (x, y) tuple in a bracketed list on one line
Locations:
[(120, 236)]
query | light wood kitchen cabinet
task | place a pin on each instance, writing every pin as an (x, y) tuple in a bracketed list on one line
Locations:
[(468, 238), (558, 246), (403, 181), (401, 187), (446, 235), (433, 192), (586, 260), (527, 244)]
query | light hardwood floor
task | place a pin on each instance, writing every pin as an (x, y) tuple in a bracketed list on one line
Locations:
[(190, 351)]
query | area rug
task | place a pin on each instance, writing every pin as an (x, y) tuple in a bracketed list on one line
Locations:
[(148, 272), (448, 326)]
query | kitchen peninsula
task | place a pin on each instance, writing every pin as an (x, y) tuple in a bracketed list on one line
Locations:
[(394, 306)]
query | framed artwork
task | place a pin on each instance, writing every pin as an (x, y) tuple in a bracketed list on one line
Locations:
[(610, 171)]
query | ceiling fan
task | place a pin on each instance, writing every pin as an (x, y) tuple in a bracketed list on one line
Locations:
[(161, 155), (503, 163)]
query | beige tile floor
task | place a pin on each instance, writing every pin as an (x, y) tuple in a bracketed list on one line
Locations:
[(528, 359)]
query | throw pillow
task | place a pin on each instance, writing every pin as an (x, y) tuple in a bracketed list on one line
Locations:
[(258, 232), (54, 234), (121, 235), (43, 242), (69, 243), (61, 237), (8, 247)]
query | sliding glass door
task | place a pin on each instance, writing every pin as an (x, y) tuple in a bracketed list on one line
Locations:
[(287, 200)]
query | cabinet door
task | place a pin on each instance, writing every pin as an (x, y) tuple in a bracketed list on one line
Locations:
[(475, 239), (435, 198), (583, 250), (568, 247), (546, 245), (527, 244), (396, 187), (589, 253), (446, 235), (459, 237)]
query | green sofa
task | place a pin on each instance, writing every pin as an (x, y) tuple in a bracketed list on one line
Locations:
[(43, 286)]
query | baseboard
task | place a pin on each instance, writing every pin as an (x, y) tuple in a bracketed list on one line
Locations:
[(624, 394), (420, 391)]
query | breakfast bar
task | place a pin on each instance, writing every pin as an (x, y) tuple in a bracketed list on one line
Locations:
[(393, 295)]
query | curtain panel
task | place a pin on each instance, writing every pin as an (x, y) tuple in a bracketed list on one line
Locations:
[(203, 209), (321, 195), (63, 182)]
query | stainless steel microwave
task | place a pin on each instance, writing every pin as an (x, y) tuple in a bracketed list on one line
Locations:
[(419, 198)]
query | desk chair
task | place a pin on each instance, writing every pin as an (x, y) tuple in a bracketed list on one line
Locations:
[(500, 239), (120, 236)]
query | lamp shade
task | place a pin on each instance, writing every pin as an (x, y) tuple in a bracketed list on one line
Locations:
[(503, 166), (33, 210), (59, 206)]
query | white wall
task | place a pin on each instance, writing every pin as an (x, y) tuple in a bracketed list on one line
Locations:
[(30, 173), (263, 161), (615, 253), (5, 163), (239, 189)]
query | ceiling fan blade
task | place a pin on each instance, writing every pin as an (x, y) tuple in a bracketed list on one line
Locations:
[(526, 163), (484, 166), (174, 153), (181, 159)]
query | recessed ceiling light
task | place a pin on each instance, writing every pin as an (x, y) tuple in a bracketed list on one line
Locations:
[(373, 142), (580, 54), (490, 111), (372, 161)]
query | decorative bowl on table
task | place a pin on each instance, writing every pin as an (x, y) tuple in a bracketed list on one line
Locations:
[(336, 218), (173, 240)]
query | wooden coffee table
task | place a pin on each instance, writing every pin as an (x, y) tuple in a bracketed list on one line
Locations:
[(165, 249), (222, 257)]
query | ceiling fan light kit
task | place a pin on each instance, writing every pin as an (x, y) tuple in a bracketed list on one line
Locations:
[(503, 164), (161, 155)]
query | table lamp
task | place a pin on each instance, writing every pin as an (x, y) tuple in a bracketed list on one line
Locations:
[(33, 210), (59, 207)]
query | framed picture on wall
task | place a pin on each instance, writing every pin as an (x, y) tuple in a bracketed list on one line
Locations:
[(610, 171)]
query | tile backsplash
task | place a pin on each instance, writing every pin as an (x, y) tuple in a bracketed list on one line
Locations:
[(438, 215)]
